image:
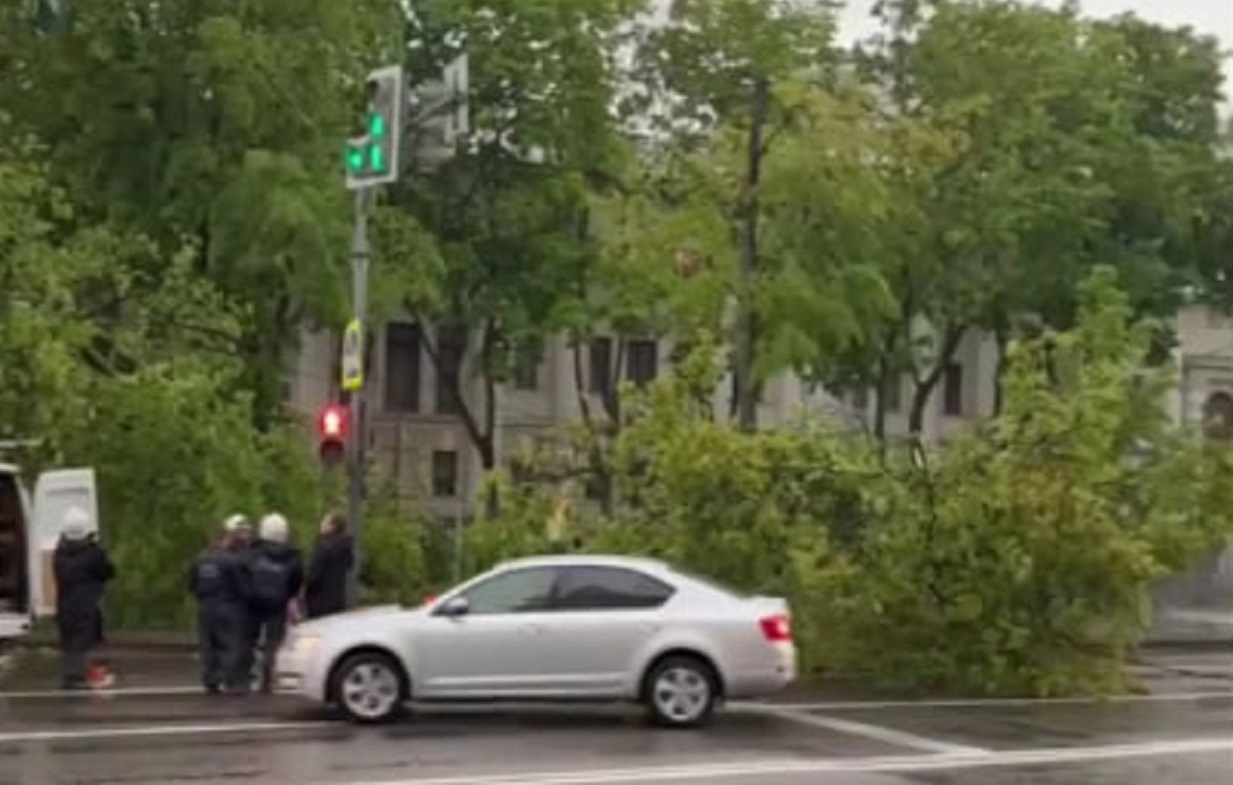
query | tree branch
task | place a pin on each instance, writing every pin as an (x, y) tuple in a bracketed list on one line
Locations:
[(432, 349)]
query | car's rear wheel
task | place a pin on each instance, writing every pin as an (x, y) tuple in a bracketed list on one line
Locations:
[(370, 687), (681, 692)]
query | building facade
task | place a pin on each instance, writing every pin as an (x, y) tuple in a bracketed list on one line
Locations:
[(418, 431)]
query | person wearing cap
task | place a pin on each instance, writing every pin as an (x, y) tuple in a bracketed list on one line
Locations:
[(81, 569), (277, 570), (220, 581)]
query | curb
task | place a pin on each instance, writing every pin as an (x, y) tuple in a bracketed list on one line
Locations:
[(1213, 645), (169, 642)]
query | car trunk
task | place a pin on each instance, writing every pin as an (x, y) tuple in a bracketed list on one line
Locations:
[(769, 606)]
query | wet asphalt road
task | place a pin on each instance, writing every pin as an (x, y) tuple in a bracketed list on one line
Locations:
[(1182, 734)]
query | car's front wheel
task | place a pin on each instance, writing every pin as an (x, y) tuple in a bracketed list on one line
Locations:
[(681, 692), (370, 687)]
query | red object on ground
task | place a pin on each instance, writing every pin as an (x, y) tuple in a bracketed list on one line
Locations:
[(100, 677)]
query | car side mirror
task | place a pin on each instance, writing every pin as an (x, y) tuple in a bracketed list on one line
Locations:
[(454, 607)]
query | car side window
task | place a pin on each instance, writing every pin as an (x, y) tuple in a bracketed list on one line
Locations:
[(608, 588), (516, 591)]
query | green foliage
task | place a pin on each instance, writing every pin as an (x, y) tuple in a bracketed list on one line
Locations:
[(1014, 562), (221, 129), (161, 250), (173, 458), (1061, 154), (130, 372), (1024, 569), (393, 567)]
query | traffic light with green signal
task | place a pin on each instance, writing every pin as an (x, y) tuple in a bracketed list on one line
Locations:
[(372, 157)]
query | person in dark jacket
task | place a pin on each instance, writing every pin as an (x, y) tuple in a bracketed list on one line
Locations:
[(82, 570), (325, 590), (221, 582), (277, 575)]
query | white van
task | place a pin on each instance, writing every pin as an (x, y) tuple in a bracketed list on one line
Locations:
[(29, 530)]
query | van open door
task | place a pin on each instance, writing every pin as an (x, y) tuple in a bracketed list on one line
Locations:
[(14, 555), (54, 492)]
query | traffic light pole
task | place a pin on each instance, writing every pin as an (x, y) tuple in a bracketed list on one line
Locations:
[(358, 432), (373, 159)]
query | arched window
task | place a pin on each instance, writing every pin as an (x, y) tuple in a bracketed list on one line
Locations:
[(1218, 416)]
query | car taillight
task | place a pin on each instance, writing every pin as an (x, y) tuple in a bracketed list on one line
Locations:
[(777, 629)]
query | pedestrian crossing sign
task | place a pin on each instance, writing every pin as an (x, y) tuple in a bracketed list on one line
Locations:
[(353, 357)]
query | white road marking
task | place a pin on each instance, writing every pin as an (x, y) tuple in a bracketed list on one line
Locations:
[(885, 764), (992, 703), (956, 703), (115, 691), (878, 733), (25, 737)]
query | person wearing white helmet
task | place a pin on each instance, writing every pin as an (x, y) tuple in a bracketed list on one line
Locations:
[(237, 529), (277, 570), (81, 569), (221, 582)]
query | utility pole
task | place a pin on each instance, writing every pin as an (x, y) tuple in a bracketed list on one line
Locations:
[(746, 392), (374, 159), (359, 426)]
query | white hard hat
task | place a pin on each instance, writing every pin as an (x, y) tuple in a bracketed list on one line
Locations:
[(274, 528), (75, 523), (235, 523)]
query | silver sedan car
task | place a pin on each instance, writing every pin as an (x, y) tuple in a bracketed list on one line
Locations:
[(603, 628)]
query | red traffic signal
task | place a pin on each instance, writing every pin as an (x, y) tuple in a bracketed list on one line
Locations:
[(332, 426), (332, 422)]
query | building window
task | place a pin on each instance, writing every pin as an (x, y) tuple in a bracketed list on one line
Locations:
[(527, 359), (600, 356), (1218, 416), (892, 393), (402, 367), (642, 361), (444, 474), (952, 390), (451, 348)]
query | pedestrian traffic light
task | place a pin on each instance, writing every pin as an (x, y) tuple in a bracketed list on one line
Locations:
[(372, 157), (332, 434)]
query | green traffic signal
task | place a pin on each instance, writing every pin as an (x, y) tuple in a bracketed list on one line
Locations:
[(368, 156)]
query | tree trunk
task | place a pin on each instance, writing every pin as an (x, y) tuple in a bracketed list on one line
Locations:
[(1002, 336), (597, 462), (486, 444), (923, 386), (482, 435), (879, 400), (746, 338), (922, 391)]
